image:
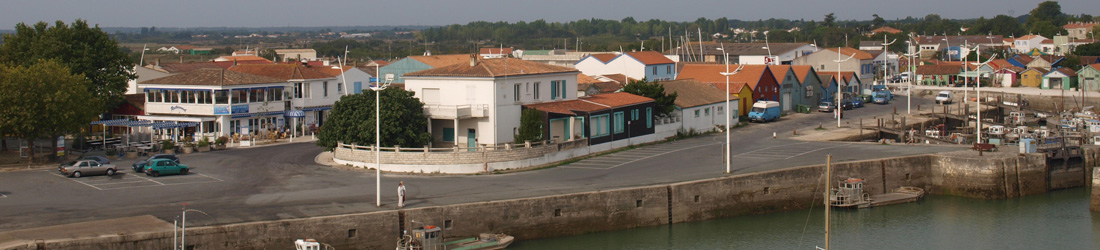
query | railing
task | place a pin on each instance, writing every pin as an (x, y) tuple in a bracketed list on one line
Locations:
[(456, 111), (453, 155), (459, 149)]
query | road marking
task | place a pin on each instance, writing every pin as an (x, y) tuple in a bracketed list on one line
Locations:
[(624, 163), (115, 183), (750, 152), (3, 196), (74, 180), (143, 178), (815, 150), (211, 177), (570, 166)]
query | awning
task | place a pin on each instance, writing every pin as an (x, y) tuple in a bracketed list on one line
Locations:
[(101, 122), (295, 114)]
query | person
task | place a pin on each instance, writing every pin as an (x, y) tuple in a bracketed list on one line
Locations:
[(401, 194)]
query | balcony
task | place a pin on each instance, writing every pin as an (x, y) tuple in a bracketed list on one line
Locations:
[(437, 111)]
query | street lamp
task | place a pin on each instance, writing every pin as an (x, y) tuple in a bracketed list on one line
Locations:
[(377, 88), (183, 234), (948, 47), (728, 73), (979, 99), (909, 82), (886, 56), (840, 107)]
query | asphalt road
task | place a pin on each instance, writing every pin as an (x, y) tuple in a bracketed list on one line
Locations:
[(283, 181)]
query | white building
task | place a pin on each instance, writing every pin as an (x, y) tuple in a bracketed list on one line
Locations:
[(479, 103), (649, 65), (220, 100), (701, 106), (286, 55)]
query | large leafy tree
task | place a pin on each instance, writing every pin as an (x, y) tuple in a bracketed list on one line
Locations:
[(352, 120), (85, 50), (43, 99), (1047, 19), (665, 102), (1092, 49)]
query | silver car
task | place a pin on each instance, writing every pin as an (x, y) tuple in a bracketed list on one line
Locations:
[(87, 167)]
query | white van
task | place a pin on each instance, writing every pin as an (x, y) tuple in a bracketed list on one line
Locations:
[(944, 97)]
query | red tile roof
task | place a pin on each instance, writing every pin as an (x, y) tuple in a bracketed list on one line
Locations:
[(735, 87), (847, 76), (281, 71), (242, 58), (437, 61), (801, 71), (692, 93), (859, 54), (216, 77), (1077, 25), (1095, 66), (711, 73), (941, 69), (1065, 71), (650, 57), (620, 78), (780, 72), (496, 67), (591, 103), (886, 29), (186, 67), (582, 78)]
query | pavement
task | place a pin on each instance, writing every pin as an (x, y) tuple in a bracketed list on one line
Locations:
[(289, 180)]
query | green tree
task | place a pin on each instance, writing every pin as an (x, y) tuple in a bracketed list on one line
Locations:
[(1001, 25), (84, 50), (1092, 49), (530, 126), (830, 19), (1047, 11), (43, 99), (352, 120), (878, 21), (665, 102)]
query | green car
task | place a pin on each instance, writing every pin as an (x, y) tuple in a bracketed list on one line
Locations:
[(156, 167)]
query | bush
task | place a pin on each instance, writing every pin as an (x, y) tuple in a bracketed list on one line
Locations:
[(221, 140), (167, 144), (205, 142)]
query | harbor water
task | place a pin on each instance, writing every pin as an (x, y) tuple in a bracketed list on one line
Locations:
[(1055, 220)]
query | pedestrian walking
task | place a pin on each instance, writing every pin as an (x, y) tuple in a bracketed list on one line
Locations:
[(401, 194)]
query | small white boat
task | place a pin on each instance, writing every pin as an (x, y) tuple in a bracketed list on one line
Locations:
[(310, 244)]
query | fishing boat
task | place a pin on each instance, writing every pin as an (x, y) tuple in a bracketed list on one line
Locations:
[(850, 194), (310, 244), (431, 238)]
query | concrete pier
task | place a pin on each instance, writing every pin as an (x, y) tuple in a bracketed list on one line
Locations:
[(1095, 204)]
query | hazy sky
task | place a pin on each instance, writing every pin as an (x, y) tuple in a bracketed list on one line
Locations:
[(280, 13)]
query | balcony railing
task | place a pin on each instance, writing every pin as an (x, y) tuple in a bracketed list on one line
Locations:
[(456, 111)]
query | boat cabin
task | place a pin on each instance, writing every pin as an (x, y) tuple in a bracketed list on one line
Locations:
[(997, 130), (849, 194), (427, 238), (307, 244)]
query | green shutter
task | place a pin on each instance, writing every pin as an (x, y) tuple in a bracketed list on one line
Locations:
[(649, 117)]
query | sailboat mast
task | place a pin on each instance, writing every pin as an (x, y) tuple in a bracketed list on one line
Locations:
[(828, 188)]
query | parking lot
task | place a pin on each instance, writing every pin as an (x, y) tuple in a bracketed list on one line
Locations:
[(126, 179), (618, 159)]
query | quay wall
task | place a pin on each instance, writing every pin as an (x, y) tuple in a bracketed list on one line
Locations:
[(993, 176), (1094, 205)]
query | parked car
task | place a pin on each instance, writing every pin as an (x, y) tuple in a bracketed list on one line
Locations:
[(156, 167), (944, 97), (140, 165), (846, 104), (86, 167), (882, 97), (97, 158), (826, 106), (857, 101)]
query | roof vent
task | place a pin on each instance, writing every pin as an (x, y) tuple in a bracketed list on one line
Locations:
[(473, 60)]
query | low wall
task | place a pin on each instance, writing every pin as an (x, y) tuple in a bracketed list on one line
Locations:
[(1095, 204), (957, 173), (416, 160)]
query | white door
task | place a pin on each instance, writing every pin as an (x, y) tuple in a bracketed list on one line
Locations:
[(786, 100)]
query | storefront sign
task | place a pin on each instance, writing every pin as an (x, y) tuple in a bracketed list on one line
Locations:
[(240, 109), (221, 110)]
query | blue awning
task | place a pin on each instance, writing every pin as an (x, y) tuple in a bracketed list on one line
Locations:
[(295, 114), (109, 121)]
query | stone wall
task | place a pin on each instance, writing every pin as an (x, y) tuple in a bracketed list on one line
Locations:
[(994, 176), (1095, 204)]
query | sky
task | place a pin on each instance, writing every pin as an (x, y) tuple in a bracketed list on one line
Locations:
[(312, 13)]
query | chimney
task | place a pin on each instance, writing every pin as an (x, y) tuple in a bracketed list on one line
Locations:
[(158, 61), (181, 59), (234, 61), (473, 60)]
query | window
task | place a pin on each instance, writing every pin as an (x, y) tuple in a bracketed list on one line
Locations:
[(600, 125), (297, 90), (634, 115), (719, 110), (240, 96), (256, 95), (809, 91), (649, 117), (668, 69), (516, 92), (339, 87), (559, 88), (148, 96), (553, 90), (654, 70), (619, 122), (324, 89), (696, 113), (221, 97), (706, 112), (537, 90)]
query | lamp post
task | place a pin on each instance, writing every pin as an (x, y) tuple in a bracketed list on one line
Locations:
[(909, 82), (886, 56), (979, 94), (183, 233), (839, 105), (377, 88), (948, 47), (728, 73)]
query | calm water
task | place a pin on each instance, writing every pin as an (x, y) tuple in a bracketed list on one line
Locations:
[(1056, 220)]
